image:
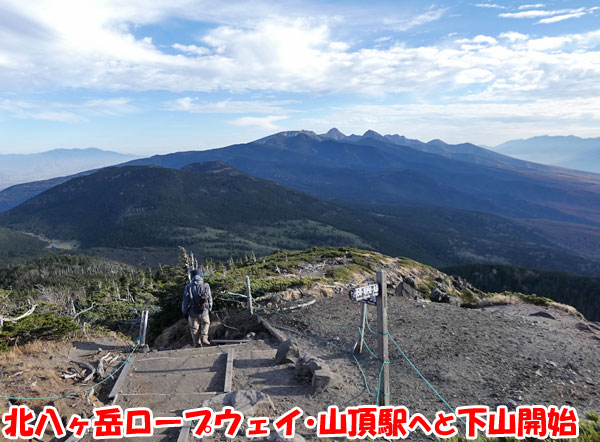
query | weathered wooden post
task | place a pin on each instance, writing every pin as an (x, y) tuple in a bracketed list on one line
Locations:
[(249, 295), (143, 327), (383, 341)]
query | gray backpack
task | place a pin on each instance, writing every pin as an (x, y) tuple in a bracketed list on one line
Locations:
[(199, 298)]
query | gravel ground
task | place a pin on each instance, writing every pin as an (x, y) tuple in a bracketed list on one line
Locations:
[(503, 354)]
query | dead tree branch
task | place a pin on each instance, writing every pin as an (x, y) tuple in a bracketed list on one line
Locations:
[(83, 311)]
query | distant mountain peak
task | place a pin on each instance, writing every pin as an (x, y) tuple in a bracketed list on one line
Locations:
[(334, 133), (288, 134), (372, 134), (437, 142)]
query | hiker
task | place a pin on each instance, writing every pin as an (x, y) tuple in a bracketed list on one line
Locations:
[(197, 303)]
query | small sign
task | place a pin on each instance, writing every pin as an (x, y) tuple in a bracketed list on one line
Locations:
[(364, 294)]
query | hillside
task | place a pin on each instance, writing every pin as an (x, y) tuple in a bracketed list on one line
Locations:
[(374, 170), (139, 214), (214, 205), (14, 244), (581, 292), (23, 168), (14, 195), (470, 355)]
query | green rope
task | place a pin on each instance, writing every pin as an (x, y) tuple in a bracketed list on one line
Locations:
[(53, 398), (425, 380), (379, 384), (414, 367)]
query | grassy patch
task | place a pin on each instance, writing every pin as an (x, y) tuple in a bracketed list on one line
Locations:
[(506, 298)]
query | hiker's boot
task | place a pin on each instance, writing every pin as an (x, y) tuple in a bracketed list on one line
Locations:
[(205, 341)]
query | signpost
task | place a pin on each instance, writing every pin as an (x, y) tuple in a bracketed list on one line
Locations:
[(376, 294), (367, 294)]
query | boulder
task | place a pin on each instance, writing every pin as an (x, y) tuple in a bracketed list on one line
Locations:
[(323, 379), (287, 352), (439, 296), (408, 288), (307, 365), (321, 376)]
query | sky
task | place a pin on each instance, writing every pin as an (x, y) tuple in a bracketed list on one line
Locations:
[(147, 77)]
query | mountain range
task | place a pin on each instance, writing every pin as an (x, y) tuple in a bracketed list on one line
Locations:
[(439, 203), (219, 211), (566, 151), (24, 168)]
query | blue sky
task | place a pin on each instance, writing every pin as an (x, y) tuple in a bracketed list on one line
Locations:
[(158, 76)]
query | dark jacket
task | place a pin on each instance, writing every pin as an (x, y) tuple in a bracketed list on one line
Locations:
[(193, 294)]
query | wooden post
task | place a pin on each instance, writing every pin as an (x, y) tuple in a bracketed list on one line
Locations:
[(228, 371), (143, 327), (249, 295), (383, 341), (358, 348)]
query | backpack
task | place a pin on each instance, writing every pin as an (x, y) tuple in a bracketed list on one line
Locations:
[(199, 298)]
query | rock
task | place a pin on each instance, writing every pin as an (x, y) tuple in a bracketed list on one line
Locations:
[(511, 405), (551, 364), (543, 314), (307, 365), (324, 379), (407, 288), (321, 376), (583, 327), (249, 402), (287, 352), (438, 296), (277, 437)]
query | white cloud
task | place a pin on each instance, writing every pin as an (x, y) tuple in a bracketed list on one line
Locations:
[(562, 17), (553, 16), (531, 14), (94, 47), (191, 49), (267, 123), (490, 5), (196, 105), (534, 6), (514, 36), (430, 15)]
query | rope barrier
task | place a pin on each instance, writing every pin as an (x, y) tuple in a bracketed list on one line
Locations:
[(52, 398), (378, 390), (414, 367), (329, 343)]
